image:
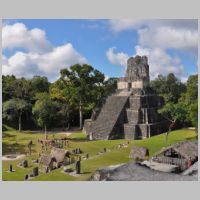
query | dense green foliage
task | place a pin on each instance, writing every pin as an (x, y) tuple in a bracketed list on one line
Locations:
[(181, 100), (14, 108), (32, 103), (84, 86), (44, 110), (60, 104)]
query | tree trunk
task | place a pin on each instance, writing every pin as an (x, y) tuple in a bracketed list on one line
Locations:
[(172, 125), (81, 115), (68, 126), (30, 150), (45, 131), (20, 123)]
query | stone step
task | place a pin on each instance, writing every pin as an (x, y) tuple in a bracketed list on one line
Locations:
[(134, 116), (108, 117), (137, 102)]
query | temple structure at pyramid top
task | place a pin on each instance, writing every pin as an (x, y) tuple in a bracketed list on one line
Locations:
[(131, 112), (137, 73)]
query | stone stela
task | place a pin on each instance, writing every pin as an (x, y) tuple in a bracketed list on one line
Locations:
[(131, 112)]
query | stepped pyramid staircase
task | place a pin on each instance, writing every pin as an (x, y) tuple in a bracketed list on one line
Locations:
[(143, 120), (109, 123), (128, 114)]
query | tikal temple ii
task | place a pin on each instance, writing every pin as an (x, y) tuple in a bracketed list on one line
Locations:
[(132, 111)]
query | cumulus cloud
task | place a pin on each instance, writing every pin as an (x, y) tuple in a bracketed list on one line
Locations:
[(179, 34), (49, 64), (166, 37), (41, 58), (18, 36), (155, 38), (21, 65), (119, 58), (60, 57), (118, 25)]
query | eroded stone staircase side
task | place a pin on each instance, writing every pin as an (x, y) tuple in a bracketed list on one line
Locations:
[(109, 123)]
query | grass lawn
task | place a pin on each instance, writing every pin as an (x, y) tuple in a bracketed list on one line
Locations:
[(14, 141)]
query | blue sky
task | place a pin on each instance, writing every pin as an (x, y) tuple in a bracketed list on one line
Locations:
[(43, 47)]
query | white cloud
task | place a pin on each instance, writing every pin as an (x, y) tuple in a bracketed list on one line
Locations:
[(20, 64), (119, 59), (18, 36), (169, 38), (180, 34), (118, 25), (155, 38), (49, 64), (41, 57)]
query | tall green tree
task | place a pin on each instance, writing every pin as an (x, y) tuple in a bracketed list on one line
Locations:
[(57, 92), (193, 115), (190, 99), (83, 84), (38, 84), (15, 88), (170, 87), (44, 110), (8, 87), (14, 108), (184, 107)]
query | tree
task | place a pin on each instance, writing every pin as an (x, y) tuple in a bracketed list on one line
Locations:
[(21, 88), (38, 84), (30, 143), (191, 99), (8, 87), (193, 114), (57, 92), (110, 86), (15, 108), (192, 88), (170, 87), (173, 113), (83, 84), (44, 110)]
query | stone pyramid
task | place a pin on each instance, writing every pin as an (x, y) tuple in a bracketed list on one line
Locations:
[(131, 112)]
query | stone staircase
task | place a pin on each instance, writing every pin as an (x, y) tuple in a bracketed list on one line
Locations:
[(111, 118), (143, 118), (128, 114)]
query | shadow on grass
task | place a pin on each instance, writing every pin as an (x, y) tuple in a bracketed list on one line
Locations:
[(86, 172), (192, 138), (79, 139), (12, 148), (7, 135)]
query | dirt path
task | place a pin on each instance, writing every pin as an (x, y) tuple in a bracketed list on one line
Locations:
[(13, 157), (67, 133)]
